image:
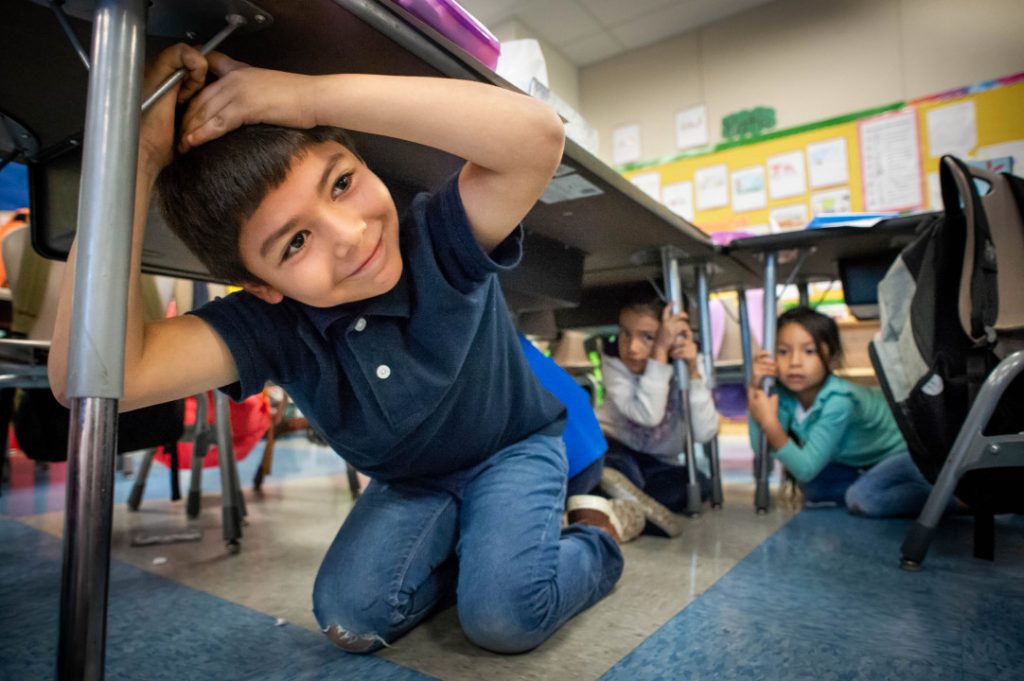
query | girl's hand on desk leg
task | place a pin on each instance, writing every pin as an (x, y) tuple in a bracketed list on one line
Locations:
[(763, 408), (764, 366)]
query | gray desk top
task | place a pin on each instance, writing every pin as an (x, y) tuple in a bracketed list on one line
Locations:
[(44, 87)]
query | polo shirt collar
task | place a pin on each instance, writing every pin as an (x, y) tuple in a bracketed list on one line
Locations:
[(393, 303)]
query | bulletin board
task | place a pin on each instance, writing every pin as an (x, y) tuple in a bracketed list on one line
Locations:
[(885, 159)]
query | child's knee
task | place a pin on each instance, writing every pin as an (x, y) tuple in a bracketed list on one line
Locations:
[(499, 628), (354, 620), (352, 642), (859, 503)]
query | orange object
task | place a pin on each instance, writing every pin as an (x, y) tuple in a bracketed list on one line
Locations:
[(250, 420)]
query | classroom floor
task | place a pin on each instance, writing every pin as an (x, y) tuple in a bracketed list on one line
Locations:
[(815, 595)]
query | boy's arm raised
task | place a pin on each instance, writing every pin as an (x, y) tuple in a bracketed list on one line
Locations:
[(512, 143), (170, 358)]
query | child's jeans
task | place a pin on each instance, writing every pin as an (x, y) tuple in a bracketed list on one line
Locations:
[(492, 532), (664, 482), (894, 487)]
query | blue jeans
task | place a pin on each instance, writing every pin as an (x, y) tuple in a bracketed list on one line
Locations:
[(491, 533), (894, 487)]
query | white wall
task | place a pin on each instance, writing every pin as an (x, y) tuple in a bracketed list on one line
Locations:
[(808, 59)]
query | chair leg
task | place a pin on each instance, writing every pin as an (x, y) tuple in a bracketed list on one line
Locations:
[(139, 486), (968, 449), (232, 508)]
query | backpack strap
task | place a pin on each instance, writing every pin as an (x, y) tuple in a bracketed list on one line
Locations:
[(960, 197)]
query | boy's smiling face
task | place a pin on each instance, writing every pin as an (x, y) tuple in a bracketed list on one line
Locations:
[(326, 235)]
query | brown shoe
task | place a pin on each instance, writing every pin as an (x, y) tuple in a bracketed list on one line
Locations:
[(617, 486), (588, 509)]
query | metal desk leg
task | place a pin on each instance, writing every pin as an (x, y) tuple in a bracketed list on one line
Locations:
[(763, 465), (803, 290), (674, 290), (96, 357), (706, 343), (748, 355)]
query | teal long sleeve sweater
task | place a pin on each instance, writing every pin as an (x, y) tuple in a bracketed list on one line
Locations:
[(847, 424)]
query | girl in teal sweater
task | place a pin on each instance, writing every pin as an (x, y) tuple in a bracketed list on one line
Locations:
[(837, 439)]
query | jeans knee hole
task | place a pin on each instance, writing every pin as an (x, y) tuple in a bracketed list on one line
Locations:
[(353, 643)]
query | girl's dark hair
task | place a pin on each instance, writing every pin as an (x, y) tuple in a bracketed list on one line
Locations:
[(822, 329), (206, 194)]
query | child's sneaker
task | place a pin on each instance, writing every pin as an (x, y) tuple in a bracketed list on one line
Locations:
[(617, 486), (631, 517), (589, 509)]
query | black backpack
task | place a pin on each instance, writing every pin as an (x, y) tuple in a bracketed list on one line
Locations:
[(943, 327)]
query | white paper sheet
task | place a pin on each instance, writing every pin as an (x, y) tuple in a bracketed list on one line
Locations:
[(712, 187), (1014, 149), (828, 163), (692, 127), (679, 199), (626, 144), (891, 162), (748, 191), (649, 183), (785, 218), (830, 202), (952, 129), (786, 176)]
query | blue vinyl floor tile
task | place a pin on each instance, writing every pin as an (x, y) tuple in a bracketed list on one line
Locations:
[(824, 599), (158, 630)]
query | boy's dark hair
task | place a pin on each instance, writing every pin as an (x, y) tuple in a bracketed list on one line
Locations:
[(822, 329), (206, 194), (645, 299)]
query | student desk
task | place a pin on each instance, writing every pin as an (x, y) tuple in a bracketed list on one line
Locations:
[(860, 254), (591, 236)]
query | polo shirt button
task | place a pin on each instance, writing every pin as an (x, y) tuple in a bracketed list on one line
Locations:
[(383, 371), (360, 324)]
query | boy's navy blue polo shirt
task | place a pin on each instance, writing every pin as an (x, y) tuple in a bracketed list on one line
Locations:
[(426, 379)]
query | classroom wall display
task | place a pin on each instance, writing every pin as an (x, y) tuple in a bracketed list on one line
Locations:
[(882, 159), (712, 186)]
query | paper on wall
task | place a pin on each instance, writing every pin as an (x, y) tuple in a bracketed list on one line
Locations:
[(648, 183), (830, 202), (712, 187), (748, 192), (678, 197), (786, 218), (692, 127), (952, 129), (626, 144), (828, 162), (1014, 149), (891, 162), (786, 175)]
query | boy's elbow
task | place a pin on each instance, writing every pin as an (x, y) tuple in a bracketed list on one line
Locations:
[(58, 385), (549, 131)]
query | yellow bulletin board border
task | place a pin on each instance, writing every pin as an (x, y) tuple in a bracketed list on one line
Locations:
[(999, 117)]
